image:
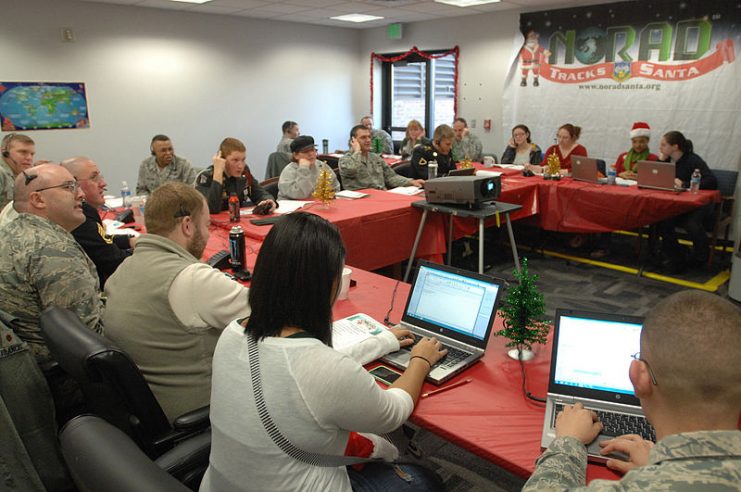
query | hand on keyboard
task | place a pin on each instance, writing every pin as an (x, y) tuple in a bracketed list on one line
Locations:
[(578, 422), (429, 349), (405, 337), (633, 446)]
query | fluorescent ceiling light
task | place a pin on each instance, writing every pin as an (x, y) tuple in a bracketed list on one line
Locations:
[(191, 1), (466, 3), (356, 17)]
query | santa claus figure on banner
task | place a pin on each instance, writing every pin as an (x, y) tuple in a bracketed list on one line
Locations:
[(531, 56)]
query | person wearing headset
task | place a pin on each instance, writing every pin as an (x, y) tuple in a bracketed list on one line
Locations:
[(438, 150), (163, 166), (17, 153), (229, 174)]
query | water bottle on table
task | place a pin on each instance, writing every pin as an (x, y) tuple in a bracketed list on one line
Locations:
[(611, 174), (125, 195), (695, 181), (432, 170)]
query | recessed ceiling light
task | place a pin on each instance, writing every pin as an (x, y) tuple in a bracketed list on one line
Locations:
[(356, 17), (466, 3), (191, 1)]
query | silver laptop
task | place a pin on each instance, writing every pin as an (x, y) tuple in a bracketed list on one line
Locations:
[(657, 175), (590, 359), (455, 306), (587, 169)]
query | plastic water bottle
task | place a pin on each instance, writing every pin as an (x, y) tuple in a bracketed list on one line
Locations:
[(611, 175), (125, 194), (432, 170), (695, 181)]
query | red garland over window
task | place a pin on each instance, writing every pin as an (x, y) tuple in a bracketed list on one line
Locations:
[(414, 51)]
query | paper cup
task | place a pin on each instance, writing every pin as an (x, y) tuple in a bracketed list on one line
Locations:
[(488, 161), (345, 287)]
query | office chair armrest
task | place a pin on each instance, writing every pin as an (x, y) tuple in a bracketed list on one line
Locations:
[(188, 461), (193, 420)]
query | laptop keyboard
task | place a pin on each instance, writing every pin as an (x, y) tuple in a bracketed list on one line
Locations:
[(453, 357), (617, 424)]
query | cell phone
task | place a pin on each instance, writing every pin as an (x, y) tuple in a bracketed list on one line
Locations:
[(385, 374)]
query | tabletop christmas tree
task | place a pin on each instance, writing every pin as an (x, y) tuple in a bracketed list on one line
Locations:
[(522, 312), (552, 167), (466, 163), (324, 190)]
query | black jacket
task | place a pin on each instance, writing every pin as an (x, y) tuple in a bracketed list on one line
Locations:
[(217, 195), (422, 155), (687, 164), (107, 252)]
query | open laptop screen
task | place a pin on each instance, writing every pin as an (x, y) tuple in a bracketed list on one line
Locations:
[(459, 302), (593, 352)]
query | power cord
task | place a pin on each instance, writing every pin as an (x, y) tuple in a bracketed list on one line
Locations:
[(391, 308), (524, 383)]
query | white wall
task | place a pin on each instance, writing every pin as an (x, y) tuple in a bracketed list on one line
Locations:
[(195, 77)]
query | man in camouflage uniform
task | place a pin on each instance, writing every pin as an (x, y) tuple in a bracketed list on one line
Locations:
[(17, 155), (466, 145), (41, 265), (384, 140), (163, 166), (688, 379), (360, 168)]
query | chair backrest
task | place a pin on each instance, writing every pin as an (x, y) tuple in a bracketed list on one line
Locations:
[(276, 162), (339, 178), (271, 186), (726, 181), (112, 383), (101, 457), (331, 160), (404, 169)]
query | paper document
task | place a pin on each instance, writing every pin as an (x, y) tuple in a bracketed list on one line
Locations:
[(114, 228), (625, 182), (286, 207), (488, 174), (518, 167), (406, 190), (354, 329), (352, 195)]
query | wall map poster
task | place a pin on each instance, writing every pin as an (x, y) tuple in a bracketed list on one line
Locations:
[(669, 63), (43, 106)]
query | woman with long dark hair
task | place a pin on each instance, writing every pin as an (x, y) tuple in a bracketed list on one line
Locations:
[(316, 397), (521, 149)]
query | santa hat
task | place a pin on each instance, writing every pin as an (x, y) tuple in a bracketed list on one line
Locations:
[(640, 129)]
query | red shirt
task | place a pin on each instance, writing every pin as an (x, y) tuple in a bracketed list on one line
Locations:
[(620, 163), (565, 161)]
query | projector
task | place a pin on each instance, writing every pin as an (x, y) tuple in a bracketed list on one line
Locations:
[(463, 190)]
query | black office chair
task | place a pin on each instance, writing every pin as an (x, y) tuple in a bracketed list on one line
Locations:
[(331, 160), (723, 214), (271, 186), (101, 457), (276, 162), (339, 178), (115, 389), (403, 168)]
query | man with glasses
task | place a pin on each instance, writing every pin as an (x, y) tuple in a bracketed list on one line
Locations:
[(17, 155), (163, 166), (107, 252), (688, 378), (166, 308), (298, 179), (42, 265)]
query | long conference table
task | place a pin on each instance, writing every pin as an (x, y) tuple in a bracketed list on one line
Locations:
[(489, 417)]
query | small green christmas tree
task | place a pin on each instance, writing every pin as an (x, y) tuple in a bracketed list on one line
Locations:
[(523, 312)]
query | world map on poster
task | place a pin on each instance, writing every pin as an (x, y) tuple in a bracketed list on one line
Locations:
[(43, 106)]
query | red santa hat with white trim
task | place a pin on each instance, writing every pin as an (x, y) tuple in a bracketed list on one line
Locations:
[(640, 129)]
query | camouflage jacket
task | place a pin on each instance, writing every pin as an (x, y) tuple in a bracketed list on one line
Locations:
[(7, 182), (41, 265), (370, 171), (706, 460), (151, 176), (469, 146), (284, 145), (387, 145)]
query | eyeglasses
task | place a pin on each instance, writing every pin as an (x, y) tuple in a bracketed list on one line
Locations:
[(71, 186), (95, 178), (637, 356)]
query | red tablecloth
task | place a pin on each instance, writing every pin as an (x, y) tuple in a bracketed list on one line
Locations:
[(490, 417), (575, 206), (378, 230)]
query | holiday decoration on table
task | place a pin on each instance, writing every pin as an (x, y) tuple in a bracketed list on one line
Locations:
[(324, 190), (522, 312), (552, 167), (466, 163)]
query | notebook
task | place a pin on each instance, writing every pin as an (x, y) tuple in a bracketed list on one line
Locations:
[(587, 169), (457, 307), (590, 358), (657, 175)]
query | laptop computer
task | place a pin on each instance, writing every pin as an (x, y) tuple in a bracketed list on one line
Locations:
[(457, 307), (587, 169), (657, 175), (469, 171), (590, 358)]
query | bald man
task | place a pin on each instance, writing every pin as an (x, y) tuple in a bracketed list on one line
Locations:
[(41, 265), (107, 252), (688, 378)]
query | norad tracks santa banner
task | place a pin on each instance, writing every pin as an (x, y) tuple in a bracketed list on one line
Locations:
[(602, 67)]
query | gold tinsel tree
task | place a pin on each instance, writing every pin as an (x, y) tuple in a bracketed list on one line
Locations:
[(324, 190), (466, 163), (553, 165)]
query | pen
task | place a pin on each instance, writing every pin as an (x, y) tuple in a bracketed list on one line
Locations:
[(445, 388)]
